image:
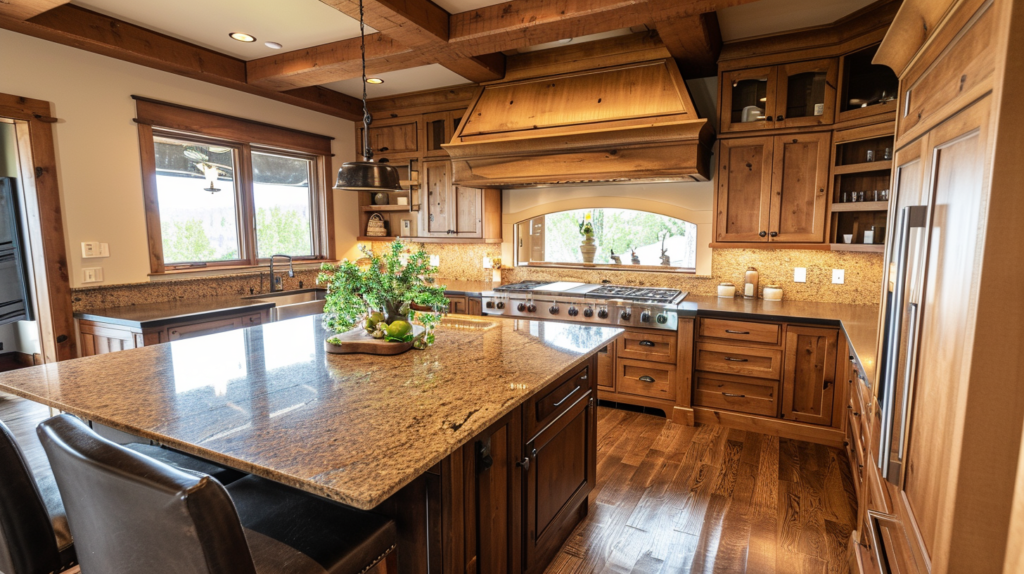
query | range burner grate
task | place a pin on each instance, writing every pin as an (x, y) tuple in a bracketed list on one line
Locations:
[(653, 294), (521, 286)]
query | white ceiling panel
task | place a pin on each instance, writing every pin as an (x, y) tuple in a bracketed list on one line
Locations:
[(456, 6), (295, 24), (403, 81), (774, 16)]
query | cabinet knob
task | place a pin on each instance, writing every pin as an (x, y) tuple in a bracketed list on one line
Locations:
[(762, 234), (524, 464), (779, 119), (774, 233)]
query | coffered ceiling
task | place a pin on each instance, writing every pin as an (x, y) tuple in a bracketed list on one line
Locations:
[(413, 45)]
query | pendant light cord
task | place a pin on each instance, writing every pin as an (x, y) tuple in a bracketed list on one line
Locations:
[(367, 152)]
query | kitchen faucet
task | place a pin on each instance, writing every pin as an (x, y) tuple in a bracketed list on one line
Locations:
[(274, 280)]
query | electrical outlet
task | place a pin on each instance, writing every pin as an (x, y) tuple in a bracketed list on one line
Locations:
[(838, 276), (104, 250), (800, 275), (487, 262), (92, 274), (435, 260)]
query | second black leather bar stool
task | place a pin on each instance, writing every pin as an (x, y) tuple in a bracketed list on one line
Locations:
[(130, 514)]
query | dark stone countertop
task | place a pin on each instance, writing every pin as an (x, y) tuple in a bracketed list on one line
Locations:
[(859, 322), (353, 428)]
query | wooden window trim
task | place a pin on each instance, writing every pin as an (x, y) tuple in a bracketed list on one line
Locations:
[(160, 119)]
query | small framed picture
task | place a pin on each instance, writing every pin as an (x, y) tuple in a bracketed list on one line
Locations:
[(406, 227)]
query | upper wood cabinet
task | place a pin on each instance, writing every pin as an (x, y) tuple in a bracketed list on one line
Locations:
[(438, 129), (397, 137), (799, 184), (785, 96), (809, 376), (455, 210), (436, 198), (773, 189)]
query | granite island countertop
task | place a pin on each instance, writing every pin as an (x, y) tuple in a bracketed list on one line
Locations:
[(353, 428), (148, 315), (859, 322)]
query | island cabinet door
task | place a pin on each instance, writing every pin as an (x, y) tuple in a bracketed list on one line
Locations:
[(562, 472), (808, 384), (493, 502)]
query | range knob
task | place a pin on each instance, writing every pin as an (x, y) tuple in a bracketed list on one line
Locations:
[(602, 313), (626, 315), (645, 317), (588, 312), (521, 307), (553, 309), (573, 311), (530, 307), (661, 318), (501, 304)]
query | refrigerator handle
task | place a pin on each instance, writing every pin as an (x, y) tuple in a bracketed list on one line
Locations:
[(908, 378)]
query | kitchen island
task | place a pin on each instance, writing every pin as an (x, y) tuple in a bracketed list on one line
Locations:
[(444, 427)]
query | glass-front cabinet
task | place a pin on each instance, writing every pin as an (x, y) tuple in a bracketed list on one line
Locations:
[(784, 96), (439, 129)]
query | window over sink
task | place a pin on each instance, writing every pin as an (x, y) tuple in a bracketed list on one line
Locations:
[(626, 238), (225, 192)]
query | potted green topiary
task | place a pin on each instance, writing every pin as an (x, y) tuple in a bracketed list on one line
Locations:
[(369, 307)]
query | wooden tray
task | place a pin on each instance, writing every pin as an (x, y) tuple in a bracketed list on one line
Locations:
[(358, 340)]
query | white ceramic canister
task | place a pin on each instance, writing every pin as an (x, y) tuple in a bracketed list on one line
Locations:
[(772, 293), (726, 290)]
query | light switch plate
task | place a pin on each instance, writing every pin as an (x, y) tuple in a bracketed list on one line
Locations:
[(104, 250), (92, 274), (838, 276), (91, 249), (800, 275)]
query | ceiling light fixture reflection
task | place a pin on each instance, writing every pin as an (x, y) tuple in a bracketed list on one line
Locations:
[(242, 37), (374, 81), (273, 45)]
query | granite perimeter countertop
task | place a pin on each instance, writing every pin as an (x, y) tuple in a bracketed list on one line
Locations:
[(353, 428), (460, 287), (859, 322), (150, 315)]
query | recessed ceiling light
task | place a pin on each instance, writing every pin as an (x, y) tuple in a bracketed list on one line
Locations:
[(374, 81), (273, 45), (565, 40), (241, 37)]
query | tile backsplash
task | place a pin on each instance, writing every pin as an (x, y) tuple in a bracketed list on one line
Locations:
[(465, 262)]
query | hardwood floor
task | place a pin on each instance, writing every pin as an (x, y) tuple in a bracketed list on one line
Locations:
[(22, 416), (672, 498)]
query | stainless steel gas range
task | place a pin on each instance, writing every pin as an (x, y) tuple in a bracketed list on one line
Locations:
[(647, 307)]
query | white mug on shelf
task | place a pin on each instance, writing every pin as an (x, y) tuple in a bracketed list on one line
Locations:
[(848, 238)]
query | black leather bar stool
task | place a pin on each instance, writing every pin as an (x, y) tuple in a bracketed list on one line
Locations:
[(130, 513), (34, 533)]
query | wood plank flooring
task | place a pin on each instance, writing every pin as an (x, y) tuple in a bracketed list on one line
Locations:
[(672, 498)]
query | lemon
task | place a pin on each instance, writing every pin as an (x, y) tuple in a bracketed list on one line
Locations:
[(399, 329), (373, 319)]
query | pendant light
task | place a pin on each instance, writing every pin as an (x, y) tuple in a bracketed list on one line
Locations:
[(366, 175)]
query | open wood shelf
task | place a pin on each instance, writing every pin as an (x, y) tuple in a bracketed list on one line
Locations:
[(861, 206), (372, 208), (880, 165), (861, 247)]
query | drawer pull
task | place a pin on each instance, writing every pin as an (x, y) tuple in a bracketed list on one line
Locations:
[(647, 379), (736, 360), (737, 332), (733, 395), (646, 343), (566, 397)]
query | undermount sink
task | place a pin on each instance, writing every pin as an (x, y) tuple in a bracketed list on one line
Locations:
[(292, 304)]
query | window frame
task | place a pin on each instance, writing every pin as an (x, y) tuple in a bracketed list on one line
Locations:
[(159, 119), (517, 239)]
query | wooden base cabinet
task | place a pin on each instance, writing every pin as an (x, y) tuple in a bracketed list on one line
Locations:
[(99, 338)]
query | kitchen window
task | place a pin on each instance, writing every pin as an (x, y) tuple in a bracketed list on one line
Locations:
[(226, 192), (659, 242)]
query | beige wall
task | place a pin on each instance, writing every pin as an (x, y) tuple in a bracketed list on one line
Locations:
[(98, 148)]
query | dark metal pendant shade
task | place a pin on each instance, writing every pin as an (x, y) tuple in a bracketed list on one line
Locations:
[(368, 176)]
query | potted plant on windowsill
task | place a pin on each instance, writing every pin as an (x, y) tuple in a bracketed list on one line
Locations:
[(588, 248), (369, 306)]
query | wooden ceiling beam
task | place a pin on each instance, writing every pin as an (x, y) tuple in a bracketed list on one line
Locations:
[(695, 42), (80, 28), (25, 9), (475, 38)]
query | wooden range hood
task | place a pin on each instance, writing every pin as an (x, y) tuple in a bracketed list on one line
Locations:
[(612, 111)]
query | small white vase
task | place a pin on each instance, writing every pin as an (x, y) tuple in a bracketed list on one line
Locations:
[(588, 249)]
